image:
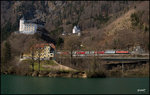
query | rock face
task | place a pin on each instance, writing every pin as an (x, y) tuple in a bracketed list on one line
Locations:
[(35, 73), (60, 74)]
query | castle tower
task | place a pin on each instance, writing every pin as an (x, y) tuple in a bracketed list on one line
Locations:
[(21, 27)]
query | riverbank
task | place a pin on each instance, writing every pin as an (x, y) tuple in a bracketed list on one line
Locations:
[(48, 68), (64, 74), (142, 71), (54, 69)]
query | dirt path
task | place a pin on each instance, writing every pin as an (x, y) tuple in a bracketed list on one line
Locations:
[(58, 67)]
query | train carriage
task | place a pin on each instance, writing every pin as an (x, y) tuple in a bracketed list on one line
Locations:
[(109, 52), (122, 52), (98, 53), (80, 53)]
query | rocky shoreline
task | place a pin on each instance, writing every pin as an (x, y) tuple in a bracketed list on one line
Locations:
[(64, 74), (138, 71)]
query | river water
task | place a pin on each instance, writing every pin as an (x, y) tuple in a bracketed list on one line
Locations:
[(12, 84)]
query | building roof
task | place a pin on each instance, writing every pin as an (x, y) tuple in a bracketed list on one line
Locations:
[(33, 21), (77, 27), (29, 23), (43, 45), (52, 45), (22, 18)]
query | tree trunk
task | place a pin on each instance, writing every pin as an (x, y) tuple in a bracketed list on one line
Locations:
[(71, 56), (39, 59), (32, 60)]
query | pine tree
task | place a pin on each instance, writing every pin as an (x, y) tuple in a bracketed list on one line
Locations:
[(6, 52)]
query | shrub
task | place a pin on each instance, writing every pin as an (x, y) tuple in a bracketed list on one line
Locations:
[(134, 19), (96, 74)]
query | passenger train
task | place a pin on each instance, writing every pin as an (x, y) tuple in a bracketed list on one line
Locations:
[(92, 53)]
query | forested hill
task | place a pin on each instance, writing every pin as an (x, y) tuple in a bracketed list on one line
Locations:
[(103, 23), (63, 15)]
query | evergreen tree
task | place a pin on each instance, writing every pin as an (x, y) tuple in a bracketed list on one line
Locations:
[(59, 42), (6, 55)]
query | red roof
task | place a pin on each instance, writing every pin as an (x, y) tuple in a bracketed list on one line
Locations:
[(43, 45), (52, 45)]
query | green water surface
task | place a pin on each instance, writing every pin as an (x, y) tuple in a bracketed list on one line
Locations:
[(12, 84)]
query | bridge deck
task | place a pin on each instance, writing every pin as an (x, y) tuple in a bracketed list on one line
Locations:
[(113, 58)]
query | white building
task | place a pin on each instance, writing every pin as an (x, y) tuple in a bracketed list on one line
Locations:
[(75, 29), (64, 33), (27, 28)]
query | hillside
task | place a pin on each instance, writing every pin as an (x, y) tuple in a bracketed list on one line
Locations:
[(104, 25), (63, 14), (131, 28), (124, 21)]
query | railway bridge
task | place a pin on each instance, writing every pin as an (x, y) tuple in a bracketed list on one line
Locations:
[(115, 61)]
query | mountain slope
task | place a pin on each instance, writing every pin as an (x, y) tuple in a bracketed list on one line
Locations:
[(125, 32), (62, 13), (104, 24), (130, 29)]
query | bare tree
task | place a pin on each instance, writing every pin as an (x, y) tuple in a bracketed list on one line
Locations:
[(72, 43), (39, 57), (32, 56)]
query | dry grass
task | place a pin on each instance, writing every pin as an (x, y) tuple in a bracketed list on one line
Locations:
[(121, 23), (139, 71)]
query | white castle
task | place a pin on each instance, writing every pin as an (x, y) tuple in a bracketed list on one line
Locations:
[(27, 28)]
